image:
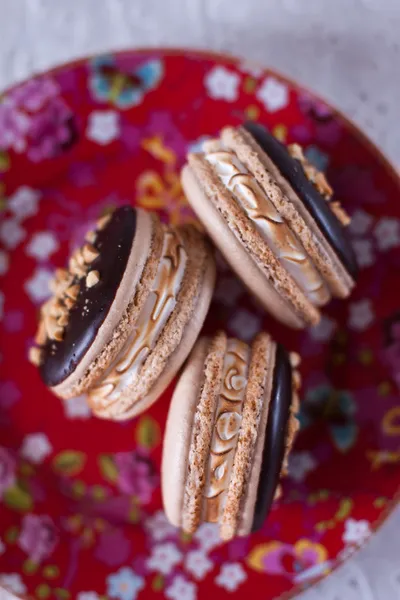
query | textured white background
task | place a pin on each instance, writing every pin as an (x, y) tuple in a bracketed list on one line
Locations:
[(347, 50)]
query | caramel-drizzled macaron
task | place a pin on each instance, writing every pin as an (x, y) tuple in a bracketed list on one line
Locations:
[(230, 427), (126, 312), (271, 214)]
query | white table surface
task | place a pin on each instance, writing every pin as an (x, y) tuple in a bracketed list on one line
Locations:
[(347, 50)]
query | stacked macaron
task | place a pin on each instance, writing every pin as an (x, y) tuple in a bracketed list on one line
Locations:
[(230, 428), (271, 214), (128, 310), (126, 313)]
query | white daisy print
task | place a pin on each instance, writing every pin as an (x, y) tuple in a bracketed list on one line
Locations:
[(159, 527), (356, 532), (164, 558), (77, 408), (11, 233), (274, 94), (360, 222), (245, 324), (24, 202), (42, 245), (4, 262), (387, 233), (88, 596), (13, 583), (361, 315), (208, 536), (222, 84), (301, 463), (198, 564), (181, 589), (103, 127), (231, 576), (364, 252), (37, 287), (324, 330), (36, 447)]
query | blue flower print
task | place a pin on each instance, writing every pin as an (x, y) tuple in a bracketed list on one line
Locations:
[(123, 89), (334, 407), (124, 584)]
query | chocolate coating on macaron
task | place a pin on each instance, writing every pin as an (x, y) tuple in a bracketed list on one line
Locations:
[(292, 170), (113, 244), (275, 437)]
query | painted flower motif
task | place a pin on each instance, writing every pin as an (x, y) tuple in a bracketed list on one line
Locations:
[(361, 315), (8, 466), (51, 130), (2, 300), (35, 93), (164, 558), (88, 596), (387, 233), (2, 547), (356, 532), (11, 233), (159, 527), (136, 475), (301, 562), (14, 126), (231, 576), (181, 589), (24, 202), (38, 537), (77, 408), (244, 324), (113, 548), (124, 584), (300, 464), (364, 252), (335, 409), (9, 394), (273, 94), (111, 84), (198, 564), (360, 223), (13, 583), (163, 192), (42, 245), (207, 535), (37, 287), (36, 447), (4, 262), (222, 84), (103, 126), (14, 320), (324, 330)]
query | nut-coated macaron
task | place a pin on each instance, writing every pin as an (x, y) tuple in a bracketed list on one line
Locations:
[(272, 215), (230, 428), (125, 314)]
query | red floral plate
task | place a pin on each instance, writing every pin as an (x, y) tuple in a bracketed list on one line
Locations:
[(80, 512)]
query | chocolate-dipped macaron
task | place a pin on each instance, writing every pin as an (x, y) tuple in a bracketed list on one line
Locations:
[(271, 214), (125, 314), (230, 428)]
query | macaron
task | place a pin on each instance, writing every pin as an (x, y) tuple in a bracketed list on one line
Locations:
[(230, 428), (125, 313), (271, 213)]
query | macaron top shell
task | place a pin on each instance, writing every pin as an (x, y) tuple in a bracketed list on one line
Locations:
[(112, 244)]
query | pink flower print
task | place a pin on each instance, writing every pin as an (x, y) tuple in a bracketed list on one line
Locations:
[(49, 130), (113, 548), (14, 125), (136, 475), (38, 537), (8, 467), (9, 394), (34, 94)]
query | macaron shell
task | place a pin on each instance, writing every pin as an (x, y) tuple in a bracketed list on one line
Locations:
[(179, 356), (178, 432), (236, 254), (166, 356), (291, 208), (139, 272)]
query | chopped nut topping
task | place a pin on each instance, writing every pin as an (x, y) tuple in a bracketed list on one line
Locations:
[(91, 237), (340, 213), (54, 331), (294, 359), (102, 222), (76, 268), (296, 380), (69, 303), (89, 253), (62, 321), (73, 291), (92, 278), (35, 356), (41, 335), (311, 172)]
